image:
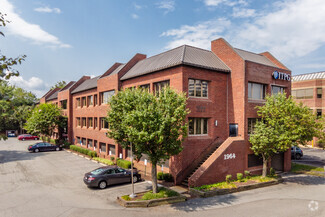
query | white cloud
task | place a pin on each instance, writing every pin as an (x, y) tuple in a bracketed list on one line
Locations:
[(19, 27), (48, 10), (167, 5), (198, 35), (243, 12), (215, 3), (33, 84), (134, 16), (294, 29), (137, 7)]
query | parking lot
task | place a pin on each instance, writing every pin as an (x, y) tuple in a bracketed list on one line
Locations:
[(50, 183)]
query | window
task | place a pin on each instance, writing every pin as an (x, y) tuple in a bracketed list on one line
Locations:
[(197, 88), (102, 146), (256, 91), (106, 96), (303, 93), (251, 125), (277, 89), (95, 100), (84, 103), (233, 130), (104, 123), (198, 126), (95, 144), (78, 140), (159, 86), (90, 122), (319, 113), (84, 141), (83, 122), (319, 93), (145, 87), (112, 149), (95, 123), (78, 122), (90, 100), (78, 102), (63, 104), (90, 143)]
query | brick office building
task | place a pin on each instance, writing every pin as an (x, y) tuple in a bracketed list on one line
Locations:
[(308, 89), (223, 86)]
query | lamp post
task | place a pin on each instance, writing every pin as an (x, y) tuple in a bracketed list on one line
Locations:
[(133, 195)]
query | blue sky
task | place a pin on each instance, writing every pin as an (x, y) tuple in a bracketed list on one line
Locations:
[(66, 39)]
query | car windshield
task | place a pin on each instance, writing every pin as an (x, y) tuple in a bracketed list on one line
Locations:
[(97, 171)]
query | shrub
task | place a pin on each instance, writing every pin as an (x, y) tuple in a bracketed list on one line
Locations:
[(92, 154), (247, 173), (123, 163), (162, 193), (168, 177), (104, 161), (66, 144), (240, 176), (160, 176), (83, 151), (126, 197), (272, 171), (228, 178), (112, 159)]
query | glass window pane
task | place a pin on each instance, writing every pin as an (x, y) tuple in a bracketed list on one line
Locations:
[(300, 94), (204, 89), (309, 93), (198, 126), (198, 88), (249, 90), (205, 126), (191, 126), (191, 87)]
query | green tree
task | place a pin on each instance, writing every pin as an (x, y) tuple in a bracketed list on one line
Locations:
[(7, 63), (44, 119), (284, 123), (59, 84), (15, 104), (155, 126)]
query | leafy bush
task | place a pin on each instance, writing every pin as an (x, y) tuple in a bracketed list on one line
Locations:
[(83, 151), (66, 144), (112, 158), (272, 171), (247, 173), (160, 176), (104, 161), (168, 177), (123, 163), (228, 178), (162, 193), (126, 197), (92, 154), (240, 176)]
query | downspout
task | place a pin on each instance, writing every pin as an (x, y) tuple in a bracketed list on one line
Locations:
[(227, 101)]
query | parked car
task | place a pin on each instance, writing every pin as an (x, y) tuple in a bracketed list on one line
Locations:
[(27, 137), (44, 146), (296, 153), (110, 175)]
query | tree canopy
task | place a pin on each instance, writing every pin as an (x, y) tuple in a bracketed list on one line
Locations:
[(59, 84), (15, 106), (283, 124), (44, 119), (7, 63), (155, 126)]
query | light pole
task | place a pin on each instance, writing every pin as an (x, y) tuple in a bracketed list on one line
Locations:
[(133, 195)]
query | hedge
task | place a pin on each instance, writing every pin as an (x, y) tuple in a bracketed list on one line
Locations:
[(123, 163), (83, 151), (104, 161), (165, 176)]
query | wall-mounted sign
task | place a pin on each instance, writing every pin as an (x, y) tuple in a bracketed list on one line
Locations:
[(200, 108), (281, 76), (229, 156)]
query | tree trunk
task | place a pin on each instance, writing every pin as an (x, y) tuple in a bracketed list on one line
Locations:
[(154, 178), (264, 173)]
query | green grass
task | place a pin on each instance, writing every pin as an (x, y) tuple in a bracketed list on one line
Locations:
[(163, 193), (104, 161), (306, 169), (126, 197), (225, 185)]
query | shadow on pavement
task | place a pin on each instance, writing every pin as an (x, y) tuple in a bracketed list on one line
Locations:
[(204, 203), (304, 179), (12, 155)]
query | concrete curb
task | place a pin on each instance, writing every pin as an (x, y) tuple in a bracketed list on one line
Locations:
[(151, 203), (233, 190)]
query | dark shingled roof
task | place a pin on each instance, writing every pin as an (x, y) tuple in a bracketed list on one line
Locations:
[(253, 57), (117, 69), (53, 96), (68, 86), (183, 55), (87, 85)]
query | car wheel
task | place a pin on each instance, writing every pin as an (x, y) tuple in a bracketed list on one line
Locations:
[(102, 185), (298, 156), (57, 149), (23, 139), (36, 150), (135, 179)]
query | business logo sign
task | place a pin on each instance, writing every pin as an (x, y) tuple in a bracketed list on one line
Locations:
[(281, 76)]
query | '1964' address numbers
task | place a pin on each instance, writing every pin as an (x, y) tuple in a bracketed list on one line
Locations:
[(229, 156)]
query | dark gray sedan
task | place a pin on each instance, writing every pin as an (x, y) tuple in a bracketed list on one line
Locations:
[(43, 146), (109, 175)]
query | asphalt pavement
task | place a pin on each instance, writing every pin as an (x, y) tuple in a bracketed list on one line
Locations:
[(312, 156), (50, 184)]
